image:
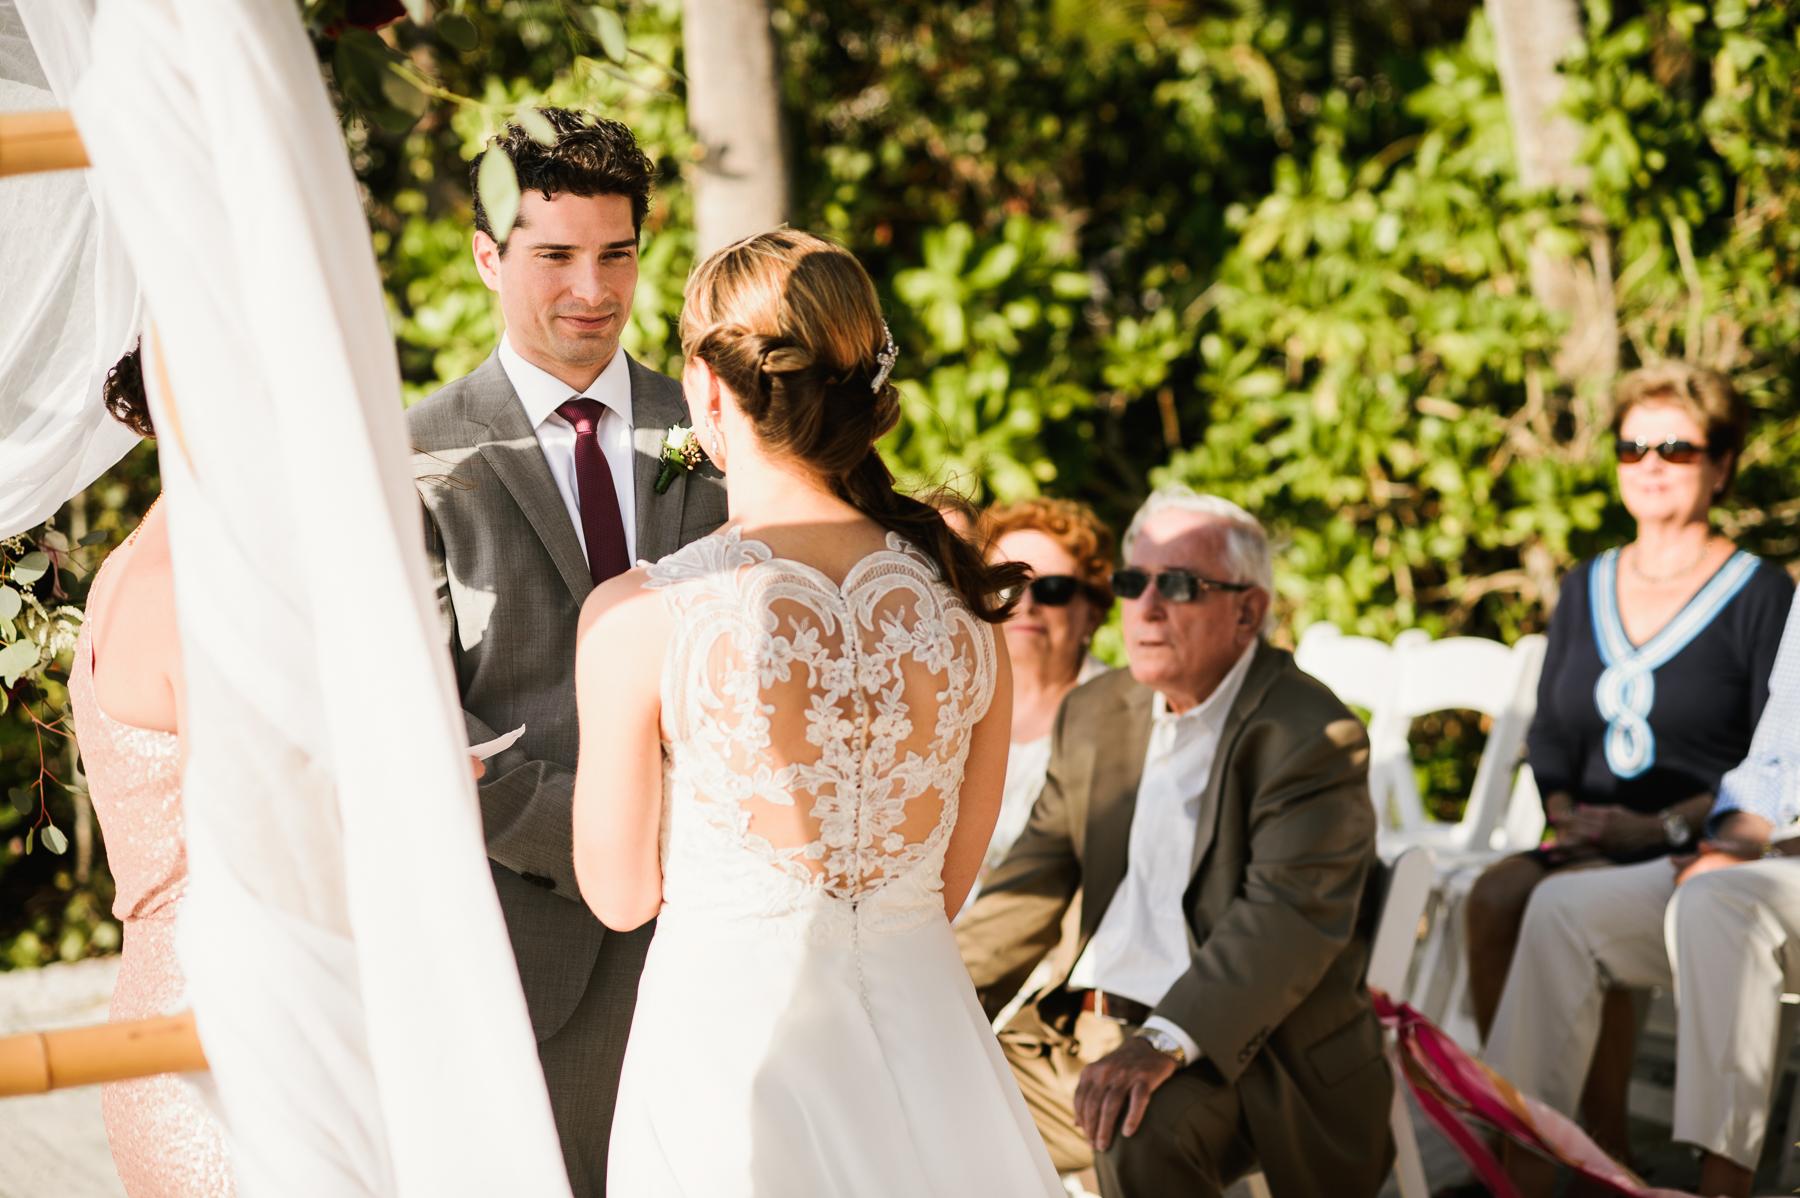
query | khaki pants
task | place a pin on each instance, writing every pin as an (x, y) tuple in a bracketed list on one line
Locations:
[(1727, 941), (1192, 1141)]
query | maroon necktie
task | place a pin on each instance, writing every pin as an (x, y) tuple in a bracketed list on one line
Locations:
[(601, 525)]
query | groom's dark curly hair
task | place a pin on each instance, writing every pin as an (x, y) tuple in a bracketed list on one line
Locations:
[(592, 156)]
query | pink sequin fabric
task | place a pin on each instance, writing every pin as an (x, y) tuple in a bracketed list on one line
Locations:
[(164, 1142)]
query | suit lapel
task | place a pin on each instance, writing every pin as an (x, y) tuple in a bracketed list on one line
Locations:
[(656, 407), (1119, 746), (510, 447), (1263, 669)]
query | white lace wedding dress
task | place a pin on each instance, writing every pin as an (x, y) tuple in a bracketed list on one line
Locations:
[(805, 1026)]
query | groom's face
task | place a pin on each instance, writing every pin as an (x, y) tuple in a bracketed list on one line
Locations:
[(565, 281)]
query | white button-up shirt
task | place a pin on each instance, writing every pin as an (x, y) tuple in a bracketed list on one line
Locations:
[(1141, 945), (542, 393)]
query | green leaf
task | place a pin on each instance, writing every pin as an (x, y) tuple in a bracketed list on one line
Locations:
[(30, 568), (10, 603), (54, 840), (418, 10), (458, 32), (607, 29), (404, 94), (534, 122), (498, 183), (22, 800), (55, 540), (16, 658), (30, 836), (96, 536)]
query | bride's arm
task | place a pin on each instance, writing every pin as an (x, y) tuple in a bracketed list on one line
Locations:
[(984, 777), (618, 774)]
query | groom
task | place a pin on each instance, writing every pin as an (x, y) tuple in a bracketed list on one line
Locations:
[(538, 473)]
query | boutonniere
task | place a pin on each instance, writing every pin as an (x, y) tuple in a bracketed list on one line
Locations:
[(681, 453)]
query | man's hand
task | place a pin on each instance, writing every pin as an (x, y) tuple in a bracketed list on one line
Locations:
[(1740, 837), (1122, 1079)]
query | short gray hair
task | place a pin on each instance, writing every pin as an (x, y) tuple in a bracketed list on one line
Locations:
[(1246, 544)]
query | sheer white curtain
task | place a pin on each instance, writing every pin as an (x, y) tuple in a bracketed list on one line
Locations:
[(67, 296), (345, 954)]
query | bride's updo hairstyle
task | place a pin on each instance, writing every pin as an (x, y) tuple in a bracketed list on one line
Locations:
[(791, 324)]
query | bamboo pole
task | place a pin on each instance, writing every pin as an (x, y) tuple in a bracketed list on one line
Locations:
[(38, 1062), (39, 141)]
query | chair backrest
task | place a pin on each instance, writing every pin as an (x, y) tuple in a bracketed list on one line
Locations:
[(1416, 676), (1403, 901)]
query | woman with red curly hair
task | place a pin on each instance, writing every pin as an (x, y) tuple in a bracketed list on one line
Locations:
[(1070, 554)]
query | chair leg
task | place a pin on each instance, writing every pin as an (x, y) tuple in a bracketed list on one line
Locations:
[(1409, 1166)]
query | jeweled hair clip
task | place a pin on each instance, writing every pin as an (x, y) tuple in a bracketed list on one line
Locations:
[(887, 357)]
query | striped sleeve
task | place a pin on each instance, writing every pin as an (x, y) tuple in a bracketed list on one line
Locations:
[(1767, 783)]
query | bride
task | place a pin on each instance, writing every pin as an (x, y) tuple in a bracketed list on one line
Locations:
[(793, 742)]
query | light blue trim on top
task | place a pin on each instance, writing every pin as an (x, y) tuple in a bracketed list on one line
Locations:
[(1627, 688)]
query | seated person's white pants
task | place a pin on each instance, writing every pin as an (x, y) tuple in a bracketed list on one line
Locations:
[(1727, 941)]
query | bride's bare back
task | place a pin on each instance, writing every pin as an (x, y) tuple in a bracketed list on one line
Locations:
[(137, 650)]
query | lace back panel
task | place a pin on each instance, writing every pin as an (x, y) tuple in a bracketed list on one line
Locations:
[(822, 728)]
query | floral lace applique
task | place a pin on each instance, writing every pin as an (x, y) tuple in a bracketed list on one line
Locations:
[(854, 704)]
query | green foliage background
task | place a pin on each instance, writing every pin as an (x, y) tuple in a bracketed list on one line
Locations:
[(1276, 249)]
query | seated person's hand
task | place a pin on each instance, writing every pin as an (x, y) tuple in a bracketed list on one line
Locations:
[(1586, 828), (1122, 1080), (1740, 837), (479, 766)]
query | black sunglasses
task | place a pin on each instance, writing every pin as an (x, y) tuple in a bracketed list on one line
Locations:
[(1177, 586), (1049, 590), (1676, 453)]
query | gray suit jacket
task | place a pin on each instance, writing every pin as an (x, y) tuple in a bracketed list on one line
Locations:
[(510, 582)]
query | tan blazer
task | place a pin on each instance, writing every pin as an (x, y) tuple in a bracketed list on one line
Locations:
[(1276, 910)]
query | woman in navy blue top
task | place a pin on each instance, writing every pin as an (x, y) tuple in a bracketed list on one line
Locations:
[(1657, 670)]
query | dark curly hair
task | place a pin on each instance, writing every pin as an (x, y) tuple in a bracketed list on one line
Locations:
[(791, 323), (124, 393), (592, 157)]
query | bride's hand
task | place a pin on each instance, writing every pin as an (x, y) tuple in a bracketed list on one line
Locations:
[(479, 766)]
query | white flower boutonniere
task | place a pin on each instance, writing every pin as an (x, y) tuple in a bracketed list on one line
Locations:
[(681, 453)]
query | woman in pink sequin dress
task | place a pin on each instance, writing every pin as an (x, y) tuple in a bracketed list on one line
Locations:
[(125, 689)]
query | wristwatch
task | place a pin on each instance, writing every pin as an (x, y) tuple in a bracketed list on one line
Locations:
[(1164, 1043), (1675, 828)]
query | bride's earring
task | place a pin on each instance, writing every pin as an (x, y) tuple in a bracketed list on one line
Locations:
[(712, 439)]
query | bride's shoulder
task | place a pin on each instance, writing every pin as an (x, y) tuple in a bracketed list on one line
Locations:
[(623, 606)]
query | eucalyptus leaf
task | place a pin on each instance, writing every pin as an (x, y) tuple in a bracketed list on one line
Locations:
[(55, 540), (457, 31), (534, 122), (97, 536), (30, 836), (608, 29), (498, 183), (404, 94), (54, 840), (31, 567), (10, 603), (22, 800), (16, 658), (418, 10)]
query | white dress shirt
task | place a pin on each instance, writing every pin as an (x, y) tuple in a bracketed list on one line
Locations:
[(1141, 945), (542, 393)]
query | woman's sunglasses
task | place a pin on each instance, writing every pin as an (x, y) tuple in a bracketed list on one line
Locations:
[(1049, 590), (1177, 586), (1676, 453)]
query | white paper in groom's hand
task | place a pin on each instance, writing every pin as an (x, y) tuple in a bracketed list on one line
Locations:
[(499, 744)]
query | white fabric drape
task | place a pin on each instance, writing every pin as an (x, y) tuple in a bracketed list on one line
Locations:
[(345, 954), (68, 300)]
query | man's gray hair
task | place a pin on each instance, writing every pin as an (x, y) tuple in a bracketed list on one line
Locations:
[(1246, 544)]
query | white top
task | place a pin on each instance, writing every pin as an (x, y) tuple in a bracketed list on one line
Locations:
[(1141, 945), (542, 393)]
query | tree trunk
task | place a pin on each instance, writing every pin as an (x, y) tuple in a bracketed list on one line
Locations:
[(734, 106), (1530, 39)]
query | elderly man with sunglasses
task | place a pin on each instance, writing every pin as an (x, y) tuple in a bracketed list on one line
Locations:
[(1207, 1017)]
